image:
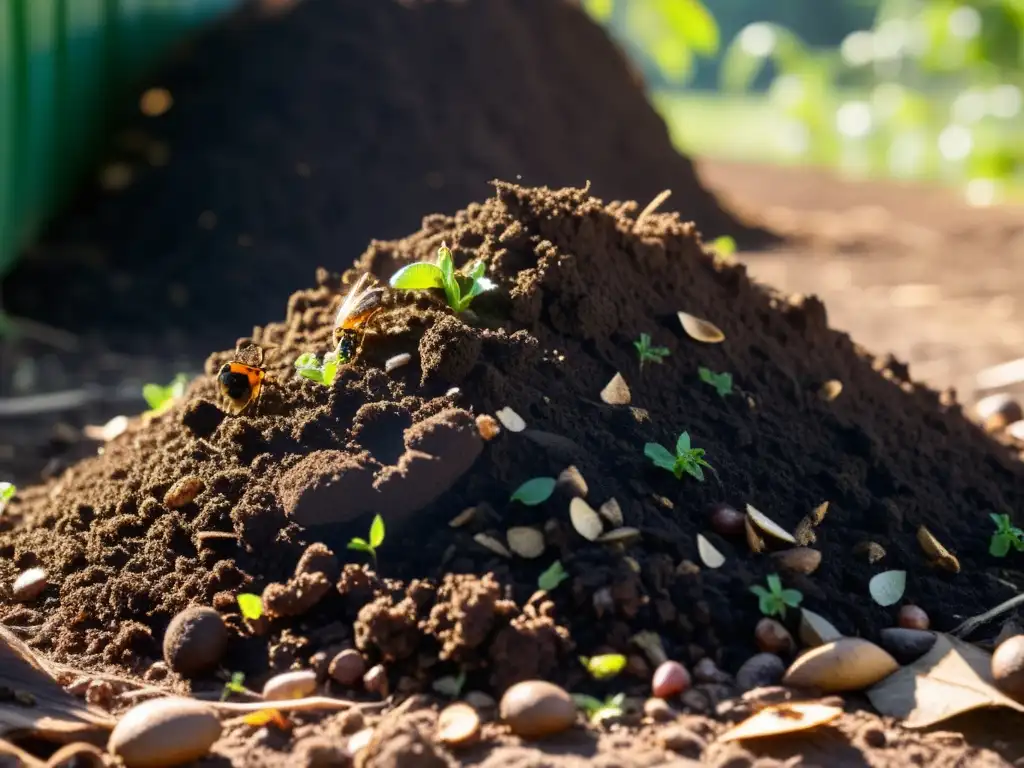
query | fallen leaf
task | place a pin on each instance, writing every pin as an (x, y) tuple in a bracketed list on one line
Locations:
[(710, 556), (952, 678), (938, 554), (768, 525), (887, 588), (782, 719)]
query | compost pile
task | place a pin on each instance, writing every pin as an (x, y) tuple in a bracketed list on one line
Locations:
[(577, 281), (296, 137)]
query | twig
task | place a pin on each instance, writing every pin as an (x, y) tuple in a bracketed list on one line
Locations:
[(652, 206), (295, 705), (974, 622)]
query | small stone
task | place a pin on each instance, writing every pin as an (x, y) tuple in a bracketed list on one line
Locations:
[(458, 725), (912, 617), (347, 667), (696, 701), (727, 521), (290, 685), (481, 702), (376, 680), (659, 710), (678, 738), (760, 670), (535, 708), (164, 732), (195, 641), (906, 645), (183, 492), (571, 481), (319, 663), (706, 671), (487, 426), (873, 736), (1008, 667), (29, 585), (320, 752), (670, 679), (772, 637), (100, 693), (396, 362)]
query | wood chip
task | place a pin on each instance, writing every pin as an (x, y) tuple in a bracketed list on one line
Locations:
[(526, 541), (700, 330), (768, 525), (491, 543), (937, 553), (584, 519), (616, 391), (511, 420)]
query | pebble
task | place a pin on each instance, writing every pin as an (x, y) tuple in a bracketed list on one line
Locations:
[(706, 671), (726, 520), (458, 725), (347, 667), (1008, 667), (487, 426), (29, 585), (670, 679), (912, 617), (183, 492), (195, 641), (290, 685), (481, 702), (760, 670), (376, 680), (535, 708), (100, 693), (659, 710), (164, 732), (321, 752), (682, 740), (906, 645), (772, 637)]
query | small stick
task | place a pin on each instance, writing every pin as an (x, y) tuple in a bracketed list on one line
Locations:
[(974, 622), (295, 705), (652, 206)]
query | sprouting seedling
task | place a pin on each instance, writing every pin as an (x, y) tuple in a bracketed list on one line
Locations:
[(773, 601), (552, 577), (597, 710), (1007, 535), (309, 366), (724, 245), (7, 491), (250, 605), (686, 459), (160, 398), (604, 666), (722, 382), (376, 539), (235, 685), (647, 353), (535, 491), (459, 288)]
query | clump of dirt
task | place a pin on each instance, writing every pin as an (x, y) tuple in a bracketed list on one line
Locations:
[(577, 281), (296, 137)]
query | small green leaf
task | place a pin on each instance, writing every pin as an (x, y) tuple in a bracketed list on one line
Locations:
[(476, 271), (792, 597), (999, 546), (235, 685), (251, 605), (694, 470), (587, 703), (450, 685), (887, 588), (377, 532), (535, 491), (417, 277), (7, 491), (774, 583), (660, 455), (329, 372), (307, 360), (552, 577), (760, 591), (446, 262), (359, 545), (313, 374), (725, 245), (683, 444), (604, 666)]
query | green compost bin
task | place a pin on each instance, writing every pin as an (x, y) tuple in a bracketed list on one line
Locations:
[(63, 63)]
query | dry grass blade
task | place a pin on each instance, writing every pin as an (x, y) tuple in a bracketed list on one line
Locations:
[(655, 204), (700, 330), (491, 543)]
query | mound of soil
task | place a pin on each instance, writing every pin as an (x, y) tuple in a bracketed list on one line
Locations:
[(128, 541), (296, 137)]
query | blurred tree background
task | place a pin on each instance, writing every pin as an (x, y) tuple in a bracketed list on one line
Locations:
[(903, 88)]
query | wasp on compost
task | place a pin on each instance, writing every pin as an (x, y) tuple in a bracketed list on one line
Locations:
[(241, 383), (361, 303)]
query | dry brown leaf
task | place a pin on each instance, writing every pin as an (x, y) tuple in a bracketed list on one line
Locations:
[(782, 719), (754, 540), (952, 678), (937, 553), (769, 526), (700, 330), (818, 513)]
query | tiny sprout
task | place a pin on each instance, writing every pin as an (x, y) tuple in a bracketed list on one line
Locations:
[(376, 539), (1007, 535), (552, 577), (597, 710), (687, 459), (250, 605), (235, 685), (459, 289), (773, 601), (160, 398), (309, 366), (724, 245), (7, 491), (535, 491), (647, 353), (604, 666), (722, 382)]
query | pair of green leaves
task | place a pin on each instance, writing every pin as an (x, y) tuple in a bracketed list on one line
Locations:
[(597, 710), (722, 382), (552, 577), (309, 366), (1006, 536), (376, 538), (773, 601), (161, 398), (250, 605), (686, 460), (459, 289)]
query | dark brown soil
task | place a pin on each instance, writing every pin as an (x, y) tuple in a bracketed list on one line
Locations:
[(578, 281)]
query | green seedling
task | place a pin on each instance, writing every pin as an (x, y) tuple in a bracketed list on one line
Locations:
[(535, 491), (647, 353), (773, 601), (235, 685), (376, 539), (722, 382), (459, 288), (724, 245), (597, 710), (604, 666), (160, 398), (7, 491), (250, 605), (1007, 535), (686, 460), (309, 366), (552, 577)]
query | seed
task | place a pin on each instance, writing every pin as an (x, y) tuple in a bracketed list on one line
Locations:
[(584, 519), (458, 725), (906, 645), (536, 708), (710, 556), (616, 391), (798, 559), (726, 521), (462, 518), (491, 543), (29, 585), (511, 420), (195, 641), (164, 732), (830, 390), (670, 679), (359, 741), (847, 664), (396, 362), (376, 680), (658, 710), (526, 542), (612, 512), (700, 330), (912, 617), (754, 540), (768, 525), (572, 481), (940, 556), (290, 685), (996, 412), (183, 492), (772, 637), (619, 536), (347, 667), (487, 426), (1008, 667)]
